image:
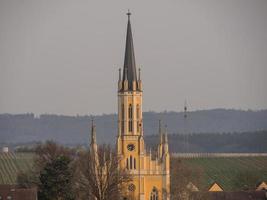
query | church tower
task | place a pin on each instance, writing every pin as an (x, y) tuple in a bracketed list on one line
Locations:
[(151, 177)]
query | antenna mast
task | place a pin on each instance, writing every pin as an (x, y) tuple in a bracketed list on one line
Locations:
[(185, 128)]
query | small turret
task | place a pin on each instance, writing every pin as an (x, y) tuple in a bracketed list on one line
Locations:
[(160, 145), (139, 80), (166, 145), (125, 81), (93, 144), (120, 81)]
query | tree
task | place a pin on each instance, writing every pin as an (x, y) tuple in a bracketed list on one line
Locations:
[(246, 180), (52, 165), (56, 180), (185, 180), (98, 175)]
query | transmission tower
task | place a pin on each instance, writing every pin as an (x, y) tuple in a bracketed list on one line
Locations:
[(186, 135)]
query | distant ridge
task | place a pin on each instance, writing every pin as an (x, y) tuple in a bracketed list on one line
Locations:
[(75, 129)]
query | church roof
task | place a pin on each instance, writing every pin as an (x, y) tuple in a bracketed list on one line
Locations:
[(129, 68)]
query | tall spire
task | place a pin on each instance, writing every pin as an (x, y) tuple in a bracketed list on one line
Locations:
[(129, 69)]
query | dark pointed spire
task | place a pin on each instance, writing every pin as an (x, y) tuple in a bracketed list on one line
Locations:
[(129, 68)]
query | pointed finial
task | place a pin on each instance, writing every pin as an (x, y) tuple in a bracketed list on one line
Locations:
[(166, 136), (129, 14), (159, 126), (139, 74), (120, 74), (160, 132), (93, 132)]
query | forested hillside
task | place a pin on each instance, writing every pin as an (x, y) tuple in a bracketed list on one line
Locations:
[(76, 129), (246, 142)]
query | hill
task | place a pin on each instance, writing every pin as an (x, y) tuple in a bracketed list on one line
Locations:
[(232, 173), (246, 142), (75, 129)]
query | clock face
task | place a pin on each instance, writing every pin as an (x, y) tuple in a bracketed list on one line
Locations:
[(130, 147)]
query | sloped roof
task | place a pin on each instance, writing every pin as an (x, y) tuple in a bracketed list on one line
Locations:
[(215, 187), (242, 195), (17, 193)]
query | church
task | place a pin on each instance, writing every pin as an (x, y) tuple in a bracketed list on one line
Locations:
[(150, 172)]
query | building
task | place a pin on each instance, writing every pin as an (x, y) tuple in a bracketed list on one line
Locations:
[(215, 187), (261, 186), (5, 150), (13, 192), (151, 177)]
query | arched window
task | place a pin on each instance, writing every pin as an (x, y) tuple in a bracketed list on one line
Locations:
[(137, 111), (127, 163), (130, 111), (9, 197), (131, 162), (130, 126), (122, 118), (130, 115), (154, 195)]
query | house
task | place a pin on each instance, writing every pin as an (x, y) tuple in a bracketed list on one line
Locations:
[(13, 192), (215, 187), (261, 186)]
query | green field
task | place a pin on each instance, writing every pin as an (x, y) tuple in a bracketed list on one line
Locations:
[(224, 171), (11, 164), (230, 172)]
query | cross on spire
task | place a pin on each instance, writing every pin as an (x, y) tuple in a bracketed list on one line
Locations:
[(129, 14)]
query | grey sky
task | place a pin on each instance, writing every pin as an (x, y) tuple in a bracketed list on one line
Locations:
[(61, 56)]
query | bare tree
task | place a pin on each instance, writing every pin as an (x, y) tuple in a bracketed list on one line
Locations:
[(98, 175), (185, 180)]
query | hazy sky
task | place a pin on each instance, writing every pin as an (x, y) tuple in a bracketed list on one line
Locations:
[(62, 56)]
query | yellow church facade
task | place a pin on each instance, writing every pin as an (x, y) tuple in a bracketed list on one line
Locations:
[(150, 173)]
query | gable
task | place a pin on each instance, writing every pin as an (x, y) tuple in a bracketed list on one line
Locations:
[(215, 188), (261, 186)]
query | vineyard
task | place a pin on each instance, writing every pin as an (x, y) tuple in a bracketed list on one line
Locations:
[(232, 173), (11, 164)]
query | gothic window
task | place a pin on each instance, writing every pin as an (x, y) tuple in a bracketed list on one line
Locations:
[(131, 163), (9, 197), (137, 111), (127, 163), (122, 118), (154, 195), (130, 111), (130, 126)]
